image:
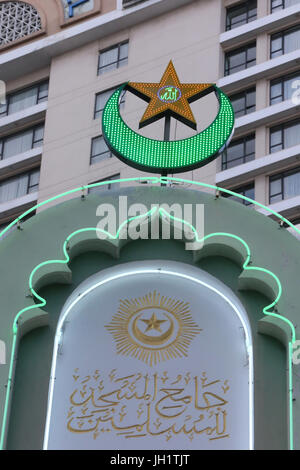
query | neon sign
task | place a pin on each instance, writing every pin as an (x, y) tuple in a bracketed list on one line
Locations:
[(168, 98)]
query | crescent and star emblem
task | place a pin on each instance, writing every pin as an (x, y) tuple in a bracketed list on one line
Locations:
[(170, 98), (153, 328)]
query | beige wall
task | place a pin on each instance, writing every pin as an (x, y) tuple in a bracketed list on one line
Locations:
[(73, 84), (190, 36), (52, 16)]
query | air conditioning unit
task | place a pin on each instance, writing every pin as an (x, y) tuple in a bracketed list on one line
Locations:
[(130, 3)]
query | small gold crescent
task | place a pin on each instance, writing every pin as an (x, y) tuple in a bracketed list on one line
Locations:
[(152, 340)]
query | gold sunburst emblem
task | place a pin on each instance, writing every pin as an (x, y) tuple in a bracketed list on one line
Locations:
[(153, 328)]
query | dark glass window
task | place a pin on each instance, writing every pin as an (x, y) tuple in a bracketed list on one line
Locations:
[(285, 41), (284, 136), (284, 185), (113, 58), (241, 14), (129, 3), (239, 151), (21, 142), (280, 4), (240, 59), (20, 185), (104, 187), (281, 89), (23, 99), (243, 102), (101, 99), (99, 150), (247, 191)]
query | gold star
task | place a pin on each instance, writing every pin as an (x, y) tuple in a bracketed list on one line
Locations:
[(153, 323), (169, 97)]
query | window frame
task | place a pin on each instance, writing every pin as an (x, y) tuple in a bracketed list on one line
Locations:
[(113, 89), (281, 80), (91, 151), (280, 7), (29, 174), (281, 176), (281, 34), (228, 27), (33, 141), (244, 94), (118, 62), (227, 70), (244, 141), (281, 127), (32, 87)]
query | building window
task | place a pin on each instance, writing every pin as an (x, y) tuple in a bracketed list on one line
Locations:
[(241, 14), (23, 99), (22, 142), (284, 185), (239, 151), (280, 4), (102, 98), (99, 150), (113, 58), (284, 136), (19, 186), (285, 41), (105, 187), (17, 20), (243, 102), (130, 3), (240, 59), (247, 191), (281, 89)]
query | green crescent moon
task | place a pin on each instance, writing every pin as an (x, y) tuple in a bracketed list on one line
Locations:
[(158, 156)]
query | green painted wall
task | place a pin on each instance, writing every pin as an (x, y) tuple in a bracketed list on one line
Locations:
[(29, 403), (42, 239)]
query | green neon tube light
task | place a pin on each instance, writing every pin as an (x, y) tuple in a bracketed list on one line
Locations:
[(154, 180), (159, 156)]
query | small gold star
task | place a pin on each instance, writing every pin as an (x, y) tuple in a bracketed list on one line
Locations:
[(153, 323)]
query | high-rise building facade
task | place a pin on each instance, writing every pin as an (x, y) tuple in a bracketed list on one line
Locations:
[(60, 60)]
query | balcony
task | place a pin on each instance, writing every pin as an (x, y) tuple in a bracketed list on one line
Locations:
[(11, 209), (269, 163), (269, 115), (22, 161), (269, 23), (266, 70), (21, 119), (287, 207)]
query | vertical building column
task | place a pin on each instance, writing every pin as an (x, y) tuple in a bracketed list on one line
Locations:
[(262, 8), (261, 144), (261, 189), (262, 94), (262, 48)]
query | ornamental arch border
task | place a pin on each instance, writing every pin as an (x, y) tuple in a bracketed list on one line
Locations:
[(272, 324)]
